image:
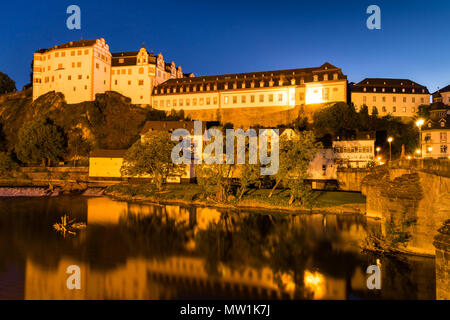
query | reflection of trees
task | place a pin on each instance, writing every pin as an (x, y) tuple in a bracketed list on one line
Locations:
[(281, 243), (154, 235)]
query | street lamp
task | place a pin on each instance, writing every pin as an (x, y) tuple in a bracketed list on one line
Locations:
[(390, 139), (419, 124), (378, 150)]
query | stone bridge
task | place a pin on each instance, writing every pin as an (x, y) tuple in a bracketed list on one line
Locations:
[(412, 196)]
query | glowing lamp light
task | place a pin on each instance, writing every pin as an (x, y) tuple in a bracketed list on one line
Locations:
[(430, 149), (419, 122), (408, 157), (390, 139), (378, 149), (418, 151)]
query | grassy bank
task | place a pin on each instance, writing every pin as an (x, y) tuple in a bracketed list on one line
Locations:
[(324, 201)]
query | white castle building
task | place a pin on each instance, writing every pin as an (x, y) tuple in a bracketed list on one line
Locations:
[(81, 69)]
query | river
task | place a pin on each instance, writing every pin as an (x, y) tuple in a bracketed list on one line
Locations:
[(143, 251)]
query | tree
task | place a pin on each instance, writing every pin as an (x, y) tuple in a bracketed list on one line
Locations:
[(335, 120), (215, 180), (151, 157), (40, 140), (7, 164), (295, 154), (78, 146), (249, 174), (6, 84)]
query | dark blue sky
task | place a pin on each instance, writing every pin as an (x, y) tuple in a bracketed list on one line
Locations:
[(215, 37)]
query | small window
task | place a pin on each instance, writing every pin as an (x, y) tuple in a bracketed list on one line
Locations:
[(234, 99), (141, 82), (252, 98), (243, 99), (226, 99), (261, 98), (270, 97)]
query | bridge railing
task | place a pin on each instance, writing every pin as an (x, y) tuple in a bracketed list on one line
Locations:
[(437, 166)]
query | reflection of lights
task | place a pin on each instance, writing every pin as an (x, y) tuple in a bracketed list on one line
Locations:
[(288, 282), (381, 163), (408, 157), (379, 158), (315, 281)]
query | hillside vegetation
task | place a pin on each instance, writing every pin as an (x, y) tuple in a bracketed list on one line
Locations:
[(109, 122)]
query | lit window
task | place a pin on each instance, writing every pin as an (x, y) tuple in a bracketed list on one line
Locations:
[(270, 97), (226, 99), (243, 99), (141, 82), (261, 98), (234, 99)]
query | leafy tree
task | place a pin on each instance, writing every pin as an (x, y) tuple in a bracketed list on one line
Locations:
[(151, 157), (40, 140), (7, 164), (78, 146), (250, 174), (295, 154), (215, 180), (335, 120), (6, 84)]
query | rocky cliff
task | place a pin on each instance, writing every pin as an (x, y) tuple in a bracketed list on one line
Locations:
[(110, 121)]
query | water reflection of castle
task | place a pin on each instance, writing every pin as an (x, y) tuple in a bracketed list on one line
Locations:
[(179, 276)]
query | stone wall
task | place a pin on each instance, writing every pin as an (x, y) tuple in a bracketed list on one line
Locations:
[(442, 244), (263, 116), (41, 176), (414, 201), (350, 179)]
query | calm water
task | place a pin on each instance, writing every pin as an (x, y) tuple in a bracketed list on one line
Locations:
[(133, 251)]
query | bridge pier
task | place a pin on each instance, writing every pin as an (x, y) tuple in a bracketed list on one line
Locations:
[(442, 245)]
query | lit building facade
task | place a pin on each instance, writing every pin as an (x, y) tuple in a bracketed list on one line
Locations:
[(78, 69), (206, 98), (396, 97), (436, 131), (443, 95), (358, 152), (81, 69), (134, 74)]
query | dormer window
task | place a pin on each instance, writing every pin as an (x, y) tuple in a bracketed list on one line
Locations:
[(429, 124), (393, 90), (442, 124), (335, 76), (316, 77), (365, 89), (374, 89), (325, 77), (403, 90), (121, 60), (383, 90)]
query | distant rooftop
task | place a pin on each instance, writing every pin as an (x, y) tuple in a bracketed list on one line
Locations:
[(388, 84)]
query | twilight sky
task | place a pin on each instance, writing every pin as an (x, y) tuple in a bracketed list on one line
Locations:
[(216, 37)]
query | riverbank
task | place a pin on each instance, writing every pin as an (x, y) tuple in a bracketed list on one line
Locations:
[(256, 199)]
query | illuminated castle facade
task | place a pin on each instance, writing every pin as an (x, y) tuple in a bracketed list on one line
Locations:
[(263, 97), (81, 69)]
